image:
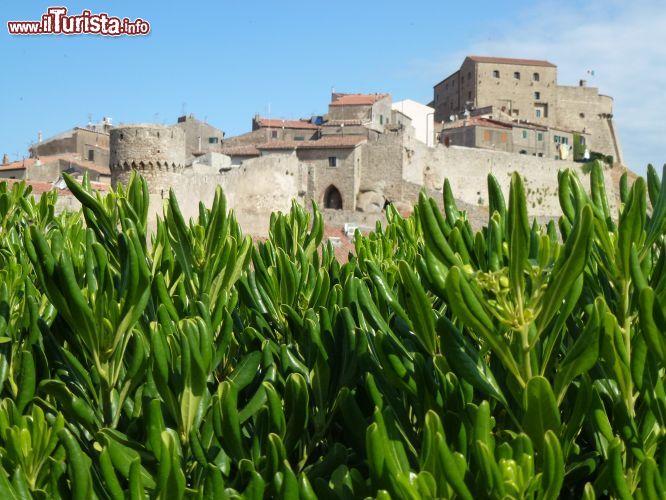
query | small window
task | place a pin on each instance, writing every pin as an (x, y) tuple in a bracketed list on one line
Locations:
[(537, 95), (582, 115), (486, 135), (524, 134), (537, 112), (91, 155), (213, 140), (539, 136), (469, 94), (121, 137), (299, 138), (462, 79), (503, 138), (496, 73), (556, 139), (469, 75), (332, 161), (565, 140), (273, 134), (381, 119), (516, 75), (535, 77)]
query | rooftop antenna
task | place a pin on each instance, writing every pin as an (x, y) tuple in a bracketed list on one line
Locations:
[(156, 117), (89, 120), (183, 106)]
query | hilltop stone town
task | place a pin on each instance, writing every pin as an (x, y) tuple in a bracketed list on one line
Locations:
[(493, 115)]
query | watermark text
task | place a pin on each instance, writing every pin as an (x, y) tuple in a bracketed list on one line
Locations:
[(56, 21)]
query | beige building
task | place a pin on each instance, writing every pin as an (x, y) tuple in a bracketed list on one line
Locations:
[(90, 144), (372, 111), (527, 89), (200, 136), (512, 137), (49, 168), (271, 129)]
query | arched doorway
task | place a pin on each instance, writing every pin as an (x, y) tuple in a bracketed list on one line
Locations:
[(332, 198)]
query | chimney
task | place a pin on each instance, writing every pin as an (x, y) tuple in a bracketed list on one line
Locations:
[(5, 159), (582, 83)]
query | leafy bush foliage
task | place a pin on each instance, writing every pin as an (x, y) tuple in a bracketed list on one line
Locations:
[(519, 361)]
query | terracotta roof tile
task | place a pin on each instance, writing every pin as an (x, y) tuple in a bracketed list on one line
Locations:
[(328, 141), (240, 151), (45, 160), (356, 99), (337, 123), (509, 60), (279, 123)]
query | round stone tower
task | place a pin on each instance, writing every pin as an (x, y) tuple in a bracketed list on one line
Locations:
[(152, 150)]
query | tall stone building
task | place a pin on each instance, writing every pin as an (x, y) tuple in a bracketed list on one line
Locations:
[(527, 89), (200, 137)]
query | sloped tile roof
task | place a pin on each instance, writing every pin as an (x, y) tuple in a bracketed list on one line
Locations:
[(279, 123), (356, 99), (328, 141), (509, 60)]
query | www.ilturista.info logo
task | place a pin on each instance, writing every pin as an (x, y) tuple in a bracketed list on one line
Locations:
[(57, 22)]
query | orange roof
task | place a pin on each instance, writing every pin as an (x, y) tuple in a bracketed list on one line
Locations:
[(18, 165), (328, 141), (356, 99), (345, 245), (508, 60), (279, 123)]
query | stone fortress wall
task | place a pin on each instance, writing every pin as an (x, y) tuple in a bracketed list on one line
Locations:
[(393, 169), (146, 147)]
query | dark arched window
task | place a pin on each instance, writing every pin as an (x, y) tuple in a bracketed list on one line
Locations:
[(332, 198)]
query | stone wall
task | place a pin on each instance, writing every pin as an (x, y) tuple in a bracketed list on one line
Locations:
[(467, 170), (146, 147), (344, 176), (518, 95), (583, 108)]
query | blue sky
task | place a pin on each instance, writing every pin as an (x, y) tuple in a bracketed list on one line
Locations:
[(226, 61)]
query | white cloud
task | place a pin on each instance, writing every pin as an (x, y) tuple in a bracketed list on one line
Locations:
[(623, 42)]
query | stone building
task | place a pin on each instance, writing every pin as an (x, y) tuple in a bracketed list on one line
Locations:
[(520, 137), (200, 137), (91, 144), (49, 168), (372, 111), (273, 129), (526, 89), (333, 167)]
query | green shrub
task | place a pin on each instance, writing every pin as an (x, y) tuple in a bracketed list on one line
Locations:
[(521, 360)]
